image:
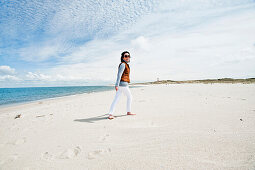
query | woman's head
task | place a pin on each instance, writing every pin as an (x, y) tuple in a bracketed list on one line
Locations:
[(125, 56)]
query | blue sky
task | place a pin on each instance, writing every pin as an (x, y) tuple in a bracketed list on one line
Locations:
[(54, 43)]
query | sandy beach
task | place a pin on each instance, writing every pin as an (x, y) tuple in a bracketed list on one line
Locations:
[(177, 126)]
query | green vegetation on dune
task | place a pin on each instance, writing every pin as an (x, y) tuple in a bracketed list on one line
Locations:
[(205, 81)]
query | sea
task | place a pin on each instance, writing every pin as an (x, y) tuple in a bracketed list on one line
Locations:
[(12, 96)]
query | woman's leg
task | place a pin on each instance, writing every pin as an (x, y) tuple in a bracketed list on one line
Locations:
[(129, 97), (116, 100)]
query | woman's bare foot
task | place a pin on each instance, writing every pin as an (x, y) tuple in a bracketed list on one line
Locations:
[(129, 113), (110, 117)]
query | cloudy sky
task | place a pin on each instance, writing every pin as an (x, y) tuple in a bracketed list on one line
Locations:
[(79, 42)]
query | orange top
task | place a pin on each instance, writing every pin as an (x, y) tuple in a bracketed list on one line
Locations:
[(125, 74)]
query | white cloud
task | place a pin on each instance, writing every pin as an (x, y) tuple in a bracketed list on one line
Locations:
[(37, 76), (38, 52), (141, 42), (6, 70), (166, 39), (66, 74), (9, 78), (85, 18), (220, 48), (59, 27), (8, 74)]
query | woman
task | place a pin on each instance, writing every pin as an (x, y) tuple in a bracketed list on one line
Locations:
[(121, 84)]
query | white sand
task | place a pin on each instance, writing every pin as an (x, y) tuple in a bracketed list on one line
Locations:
[(185, 126)]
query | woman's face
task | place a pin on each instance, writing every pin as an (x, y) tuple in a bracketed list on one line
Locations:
[(126, 57)]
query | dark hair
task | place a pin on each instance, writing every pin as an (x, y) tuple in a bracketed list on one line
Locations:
[(122, 55)]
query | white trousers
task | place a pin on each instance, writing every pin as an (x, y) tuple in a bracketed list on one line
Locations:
[(126, 91)]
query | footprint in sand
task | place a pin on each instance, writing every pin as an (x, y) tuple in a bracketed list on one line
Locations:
[(20, 141), (9, 159), (17, 141), (140, 101), (104, 138), (96, 153), (66, 154), (70, 153), (40, 115), (47, 156), (152, 124), (13, 127), (44, 117)]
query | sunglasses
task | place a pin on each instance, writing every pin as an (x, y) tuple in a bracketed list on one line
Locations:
[(127, 56)]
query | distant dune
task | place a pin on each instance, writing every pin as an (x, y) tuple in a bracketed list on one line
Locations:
[(205, 81)]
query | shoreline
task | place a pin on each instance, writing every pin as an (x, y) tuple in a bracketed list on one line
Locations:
[(40, 101), (3, 106), (6, 106)]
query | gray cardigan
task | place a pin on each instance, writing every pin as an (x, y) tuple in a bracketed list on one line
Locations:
[(120, 72)]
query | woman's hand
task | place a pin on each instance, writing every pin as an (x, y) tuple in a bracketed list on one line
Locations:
[(116, 88)]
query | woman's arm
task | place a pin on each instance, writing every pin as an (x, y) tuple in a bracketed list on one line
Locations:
[(120, 72)]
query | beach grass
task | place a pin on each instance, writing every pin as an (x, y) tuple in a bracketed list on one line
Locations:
[(205, 81)]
